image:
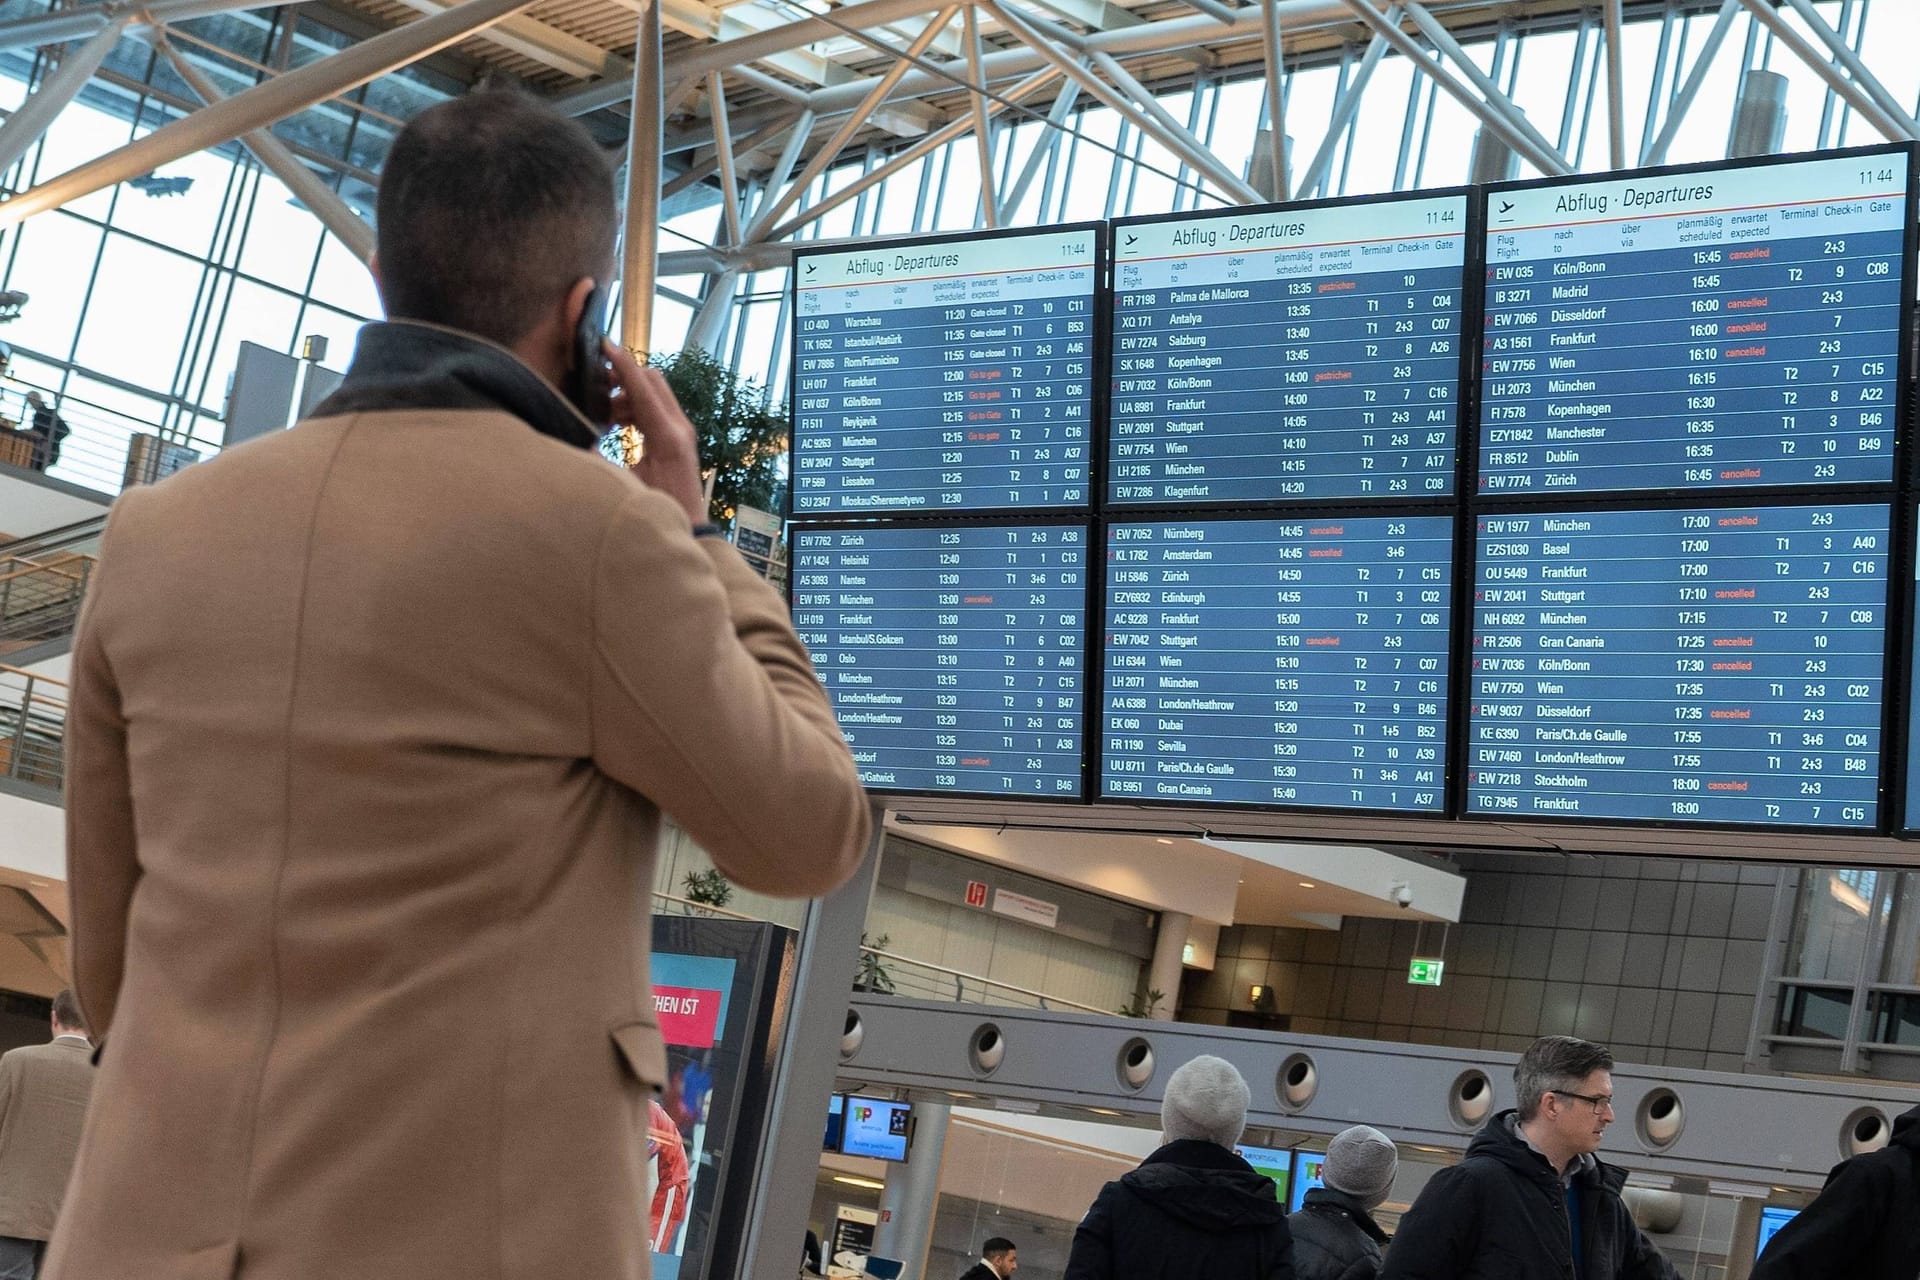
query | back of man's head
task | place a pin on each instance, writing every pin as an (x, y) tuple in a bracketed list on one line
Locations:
[(67, 1016), (491, 207)]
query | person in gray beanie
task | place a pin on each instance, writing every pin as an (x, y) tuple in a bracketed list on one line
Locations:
[(1193, 1208), (1334, 1234)]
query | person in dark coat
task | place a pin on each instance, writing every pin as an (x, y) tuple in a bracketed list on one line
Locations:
[(998, 1260), (49, 431), (1531, 1201), (1334, 1234), (1193, 1208), (1865, 1224)]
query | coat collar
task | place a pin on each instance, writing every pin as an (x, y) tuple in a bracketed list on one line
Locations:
[(1340, 1201), (408, 365)]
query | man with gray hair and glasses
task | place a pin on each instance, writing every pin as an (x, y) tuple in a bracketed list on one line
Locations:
[(1531, 1201)]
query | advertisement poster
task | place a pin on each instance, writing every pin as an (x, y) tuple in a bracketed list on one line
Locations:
[(690, 995)]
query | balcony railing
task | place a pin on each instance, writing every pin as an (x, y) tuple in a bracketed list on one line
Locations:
[(33, 722), (905, 976)]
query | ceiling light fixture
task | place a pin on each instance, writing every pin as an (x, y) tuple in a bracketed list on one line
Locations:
[(1307, 884), (867, 1184)]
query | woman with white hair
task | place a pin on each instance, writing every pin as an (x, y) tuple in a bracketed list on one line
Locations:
[(1193, 1208)]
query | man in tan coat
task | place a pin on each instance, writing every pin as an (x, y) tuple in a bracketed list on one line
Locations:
[(43, 1103), (372, 721)]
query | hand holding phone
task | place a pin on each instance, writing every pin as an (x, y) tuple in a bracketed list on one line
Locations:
[(589, 381), (670, 452)]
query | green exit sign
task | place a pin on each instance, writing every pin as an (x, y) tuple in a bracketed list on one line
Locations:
[(1425, 973)]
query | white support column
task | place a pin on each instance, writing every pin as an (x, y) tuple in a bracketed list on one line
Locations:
[(1616, 89), (982, 123), (913, 1191), (1683, 101), (1276, 96), (640, 240), (1169, 962)]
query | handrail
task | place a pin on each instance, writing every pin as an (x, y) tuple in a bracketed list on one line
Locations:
[(1046, 1001), (704, 907), (54, 539), (54, 569), (37, 676), (1040, 998)]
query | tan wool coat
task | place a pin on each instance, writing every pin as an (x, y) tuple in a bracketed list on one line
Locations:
[(372, 722)]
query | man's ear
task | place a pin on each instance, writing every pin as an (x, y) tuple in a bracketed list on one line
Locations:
[(379, 285)]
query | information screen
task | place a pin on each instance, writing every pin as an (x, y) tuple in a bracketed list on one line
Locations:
[(1686, 665), (1706, 330), (1299, 352), (876, 1128), (947, 375), (1278, 662), (953, 655)]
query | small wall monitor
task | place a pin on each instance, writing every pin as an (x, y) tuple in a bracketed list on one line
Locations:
[(1702, 329), (1306, 1176), (1270, 1162), (836, 1122), (876, 1128), (1772, 1218), (931, 376)]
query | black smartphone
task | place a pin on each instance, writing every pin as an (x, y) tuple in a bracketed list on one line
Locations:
[(590, 377)]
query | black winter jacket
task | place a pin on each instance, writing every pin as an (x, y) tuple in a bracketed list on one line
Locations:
[(1334, 1238), (1501, 1214), (1865, 1225), (1191, 1211)]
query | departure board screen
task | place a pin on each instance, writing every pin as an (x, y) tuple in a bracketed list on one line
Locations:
[(953, 655), (1705, 330), (1299, 352), (935, 377), (1278, 662), (1707, 664)]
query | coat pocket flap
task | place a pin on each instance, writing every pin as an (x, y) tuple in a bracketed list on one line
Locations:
[(644, 1052)]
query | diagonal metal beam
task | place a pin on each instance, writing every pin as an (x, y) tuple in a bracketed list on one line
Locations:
[(1543, 158), (723, 154), (982, 123), (932, 142), (1048, 144), (1442, 39), (828, 152), (275, 99), (1894, 125), (1683, 100), (706, 166), (36, 115), (1142, 110), (1346, 108), (82, 21), (1170, 133), (1862, 76), (347, 226)]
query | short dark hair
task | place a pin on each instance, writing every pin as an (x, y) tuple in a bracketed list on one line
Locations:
[(66, 1012), (1555, 1063), (490, 206), (996, 1247)]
